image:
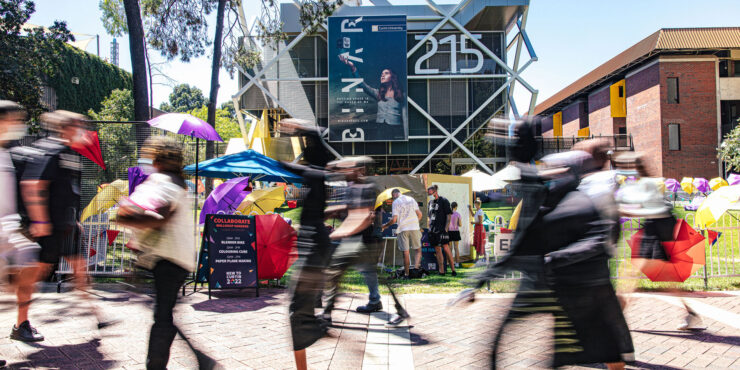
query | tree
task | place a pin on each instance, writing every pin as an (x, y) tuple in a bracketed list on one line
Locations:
[(27, 58), (226, 125), (184, 98), (229, 107), (121, 17), (118, 143), (729, 150)]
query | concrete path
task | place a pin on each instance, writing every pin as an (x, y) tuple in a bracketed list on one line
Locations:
[(244, 332)]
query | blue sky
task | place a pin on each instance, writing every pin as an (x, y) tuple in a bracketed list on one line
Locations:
[(570, 37)]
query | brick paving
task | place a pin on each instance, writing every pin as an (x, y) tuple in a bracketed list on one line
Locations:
[(245, 332)]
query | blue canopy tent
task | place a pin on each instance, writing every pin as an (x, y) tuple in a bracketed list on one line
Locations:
[(256, 166)]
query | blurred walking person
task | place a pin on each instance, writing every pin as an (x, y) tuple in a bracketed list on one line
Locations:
[(405, 212), (643, 197), (360, 238), (50, 186), (314, 249), (158, 210), (18, 254)]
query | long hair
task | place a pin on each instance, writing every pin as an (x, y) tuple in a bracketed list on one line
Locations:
[(392, 85)]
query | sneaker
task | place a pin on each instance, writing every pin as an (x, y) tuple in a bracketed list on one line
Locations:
[(370, 307), (26, 333), (692, 322), (454, 273), (465, 296), (395, 321)]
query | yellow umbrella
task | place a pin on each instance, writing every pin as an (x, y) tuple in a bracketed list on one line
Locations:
[(386, 194), (717, 183), (515, 216), (687, 184), (716, 204), (106, 198), (261, 202)]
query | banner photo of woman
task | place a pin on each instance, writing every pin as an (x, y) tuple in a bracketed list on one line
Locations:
[(367, 79)]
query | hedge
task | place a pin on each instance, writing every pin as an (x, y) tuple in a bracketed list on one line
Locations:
[(97, 78)]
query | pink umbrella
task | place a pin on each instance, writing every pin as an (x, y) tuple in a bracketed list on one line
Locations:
[(733, 179), (672, 185), (701, 184)]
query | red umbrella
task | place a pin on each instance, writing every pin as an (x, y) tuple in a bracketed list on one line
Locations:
[(276, 246), (90, 148), (686, 251)]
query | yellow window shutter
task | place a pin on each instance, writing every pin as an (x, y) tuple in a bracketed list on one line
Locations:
[(584, 132), (618, 99), (557, 124)]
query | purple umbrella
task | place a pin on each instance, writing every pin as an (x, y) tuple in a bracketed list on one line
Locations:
[(733, 179), (225, 198), (701, 184), (672, 185), (185, 124)]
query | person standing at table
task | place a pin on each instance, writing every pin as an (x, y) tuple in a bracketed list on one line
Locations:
[(454, 232), (406, 213), (479, 232), (439, 220)]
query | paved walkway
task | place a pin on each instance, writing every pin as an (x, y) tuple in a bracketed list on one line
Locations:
[(243, 332)]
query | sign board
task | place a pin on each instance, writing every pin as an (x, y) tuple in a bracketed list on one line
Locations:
[(428, 255), (228, 257), (390, 231), (502, 244), (367, 79)]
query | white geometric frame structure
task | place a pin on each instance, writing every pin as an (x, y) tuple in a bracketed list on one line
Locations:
[(512, 75)]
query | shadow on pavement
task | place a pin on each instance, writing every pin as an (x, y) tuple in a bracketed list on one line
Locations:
[(69, 355), (701, 336), (234, 301)]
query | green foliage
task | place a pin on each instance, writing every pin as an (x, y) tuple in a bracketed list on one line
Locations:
[(27, 58), (114, 17), (226, 126), (117, 141), (729, 150), (177, 28), (184, 98), (229, 107), (97, 78)]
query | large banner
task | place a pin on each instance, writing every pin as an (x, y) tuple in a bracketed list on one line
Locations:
[(367, 79)]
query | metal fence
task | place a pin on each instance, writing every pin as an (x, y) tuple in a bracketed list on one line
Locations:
[(103, 242), (722, 256)]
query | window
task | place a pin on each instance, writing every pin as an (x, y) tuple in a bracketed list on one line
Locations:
[(674, 136), (672, 83), (621, 91), (737, 68)]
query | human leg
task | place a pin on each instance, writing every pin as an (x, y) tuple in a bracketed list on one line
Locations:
[(406, 263), (168, 278), (446, 248), (403, 239), (440, 260), (24, 281)]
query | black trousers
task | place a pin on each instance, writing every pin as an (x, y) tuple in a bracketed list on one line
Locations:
[(168, 278)]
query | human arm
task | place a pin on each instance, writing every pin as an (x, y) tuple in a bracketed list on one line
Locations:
[(35, 195), (392, 221)]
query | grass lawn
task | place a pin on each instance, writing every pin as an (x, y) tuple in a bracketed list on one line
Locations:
[(727, 247)]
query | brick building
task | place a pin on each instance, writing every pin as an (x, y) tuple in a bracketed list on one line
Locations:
[(676, 93)]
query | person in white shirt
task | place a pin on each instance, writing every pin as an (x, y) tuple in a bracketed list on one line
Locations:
[(407, 214), (18, 254)]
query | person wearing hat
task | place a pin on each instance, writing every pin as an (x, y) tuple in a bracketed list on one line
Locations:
[(18, 254), (405, 212), (50, 185)]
